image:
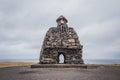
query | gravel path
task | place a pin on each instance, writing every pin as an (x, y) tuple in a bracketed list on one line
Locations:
[(27, 73)]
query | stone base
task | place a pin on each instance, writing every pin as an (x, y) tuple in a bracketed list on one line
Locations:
[(63, 66)]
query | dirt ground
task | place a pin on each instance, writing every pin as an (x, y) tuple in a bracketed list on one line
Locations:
[(28, 73)]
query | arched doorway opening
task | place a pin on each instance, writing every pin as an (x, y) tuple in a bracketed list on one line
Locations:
[(61, 58)]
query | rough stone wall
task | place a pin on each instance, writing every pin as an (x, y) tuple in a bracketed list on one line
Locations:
[(61, 40)]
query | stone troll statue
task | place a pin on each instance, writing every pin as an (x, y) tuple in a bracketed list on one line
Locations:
[(61, 40)]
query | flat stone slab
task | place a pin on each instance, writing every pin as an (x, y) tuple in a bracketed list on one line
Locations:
[(84, 66)]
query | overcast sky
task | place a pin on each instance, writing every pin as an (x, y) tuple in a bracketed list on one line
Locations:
[(24, 23)]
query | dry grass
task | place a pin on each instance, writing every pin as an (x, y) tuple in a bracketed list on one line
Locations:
[(105, 65), (11, 64), (114, 65)]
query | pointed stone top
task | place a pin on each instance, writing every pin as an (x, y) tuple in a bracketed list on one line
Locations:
[(61, 18)]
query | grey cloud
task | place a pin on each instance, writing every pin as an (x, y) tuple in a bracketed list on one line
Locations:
[(23, 25)]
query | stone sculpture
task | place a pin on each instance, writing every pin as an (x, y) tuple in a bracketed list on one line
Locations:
[(61, 40)]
